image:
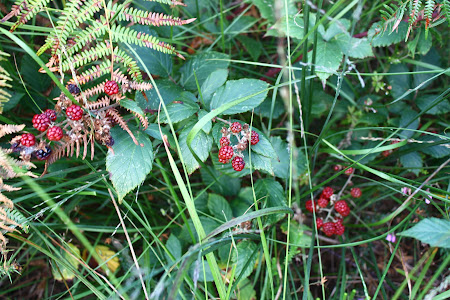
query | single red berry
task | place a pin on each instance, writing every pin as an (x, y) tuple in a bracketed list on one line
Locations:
[(111, 88), (224, 141), (337, 168), (386, 153), (41, 122), (236, 127), (51, 114), (322, 202), (339, 228), (319, 223), (74, 112), (225, 153), (43, 154), (254, 139), (342, 207), (27, 139), (356, 192), (310, 205), (238, 163), (329, 228), (327, 192), (55, 133), (349, 171)]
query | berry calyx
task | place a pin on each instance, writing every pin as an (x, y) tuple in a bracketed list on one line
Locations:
[(111, 88), (342, 208), (225, 154), (43, 154), (319, 223), (55, 133), (327, 192), (74, 112), (41, 122), (254, 139), (356, 192), (238, 163), (349, 171), (322, 202), (310, 205), (224, 141), (27, 139), (73, 89), (339, 228), (236, 127), (51, 114), (329, 228)]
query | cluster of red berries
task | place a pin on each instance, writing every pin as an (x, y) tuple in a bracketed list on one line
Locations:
[(348, 171), (234, 153), (331, 224)]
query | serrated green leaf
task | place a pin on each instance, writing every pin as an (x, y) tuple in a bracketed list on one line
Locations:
[(208, 126), (132, 106), (353, 47), (297, 234), (226, 185), (219, 207), (271, 192), (262, 163), (202, 65), (201, 144), (406, 117), (238, 89), (263, 147), (181, 108), (65, 273), (328, 58), (295, 23), (214, 81), (379, 37), (337, 27), (432, 231), (412, 161), (244, 257), (436, 151), (399, 83), (174, 247), (281, 163), (441, 108), (129, 163), (169, 91)]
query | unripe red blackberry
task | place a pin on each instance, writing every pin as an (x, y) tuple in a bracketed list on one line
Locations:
[(254, 138), (339, 228), (51, 114), (327, 192), (356, 192), (342, 207), (238, 163), (54, 133), (349, 171), (225, 154), (74, 112), (111, 88), (322, 202), (310, 205), (27, 139), (319, 223), (337, 168), (329, 228), (236, 127), (224, 141), (41, 122)]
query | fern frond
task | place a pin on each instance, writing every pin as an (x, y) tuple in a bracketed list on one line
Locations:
[(93, 73), (103, 102), (31, 8), (122, 57), (446, 8), (89, 34), (16, 9), (118, 118), (99, 51), (4, 78), (6, 201), (10, 128), (170, 2), (150, 18), (18, 218), (97, 89)]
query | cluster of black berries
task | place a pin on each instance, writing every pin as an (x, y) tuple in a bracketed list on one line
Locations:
[(234, 153)]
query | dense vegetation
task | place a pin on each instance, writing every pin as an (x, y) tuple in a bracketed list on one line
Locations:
[(258, 149)]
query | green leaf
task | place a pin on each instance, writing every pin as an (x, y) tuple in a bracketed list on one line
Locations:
[(432, 231), (158, 63), (13, 100), (442, 108), (214, 81), (419, 43), (263, 147), (407, 116), (201, 145), (174, 247), (432, 58), (271, 192), (202, 65), (30, 73), (67, 273), (219, 207), (153, 131), (259, 162), (412, 161), (380, 37), (245, 290), (238, 89), (399, 83), (297, 234), (132, 106), (436, 151), (253, 47), (129, 163), (208, 126), (353, 47), (295, 23), (244, 257), (266, 8), (328, 58), (281, 163), (169, 92), (337, 27), (226, 185), (181, 108)]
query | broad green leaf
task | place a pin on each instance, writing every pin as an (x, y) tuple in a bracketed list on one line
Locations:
[(128, 163), (201, 271), (30, 72), (281, 163), (353, 47), (296, 27), (441, 108), (201, 145), (132, 106), (297, 234), (412, 161), (380, 36), (169, 92), (337, 27), (436, 151), (419, 43), (271, 192), (65, 273), (208, 126), (432, 231), (202, 66), (153, 131), (238, 89), (259, 162), (328, 58), (399, 83), (406, 117), (263, 147), (252, 46), (226, 185), (174, 247), (181, 108), (209, 225), (214, 81), (219, 207), (266, 8), (13, 100), (245, 290), (244, 257), (265, 107), (432, 58), (157, 63)]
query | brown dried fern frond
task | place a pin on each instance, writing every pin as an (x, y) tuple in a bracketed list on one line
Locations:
[(103, 102), (118, 118), (10, 128)]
